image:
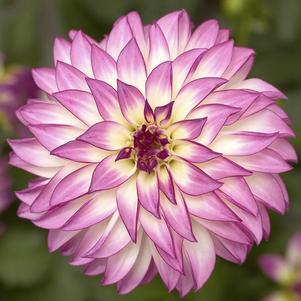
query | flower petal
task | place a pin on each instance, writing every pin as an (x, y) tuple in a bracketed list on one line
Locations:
[(118, 37), (175, 213), (92, 212), (159, 85), (121, 263), (157, 230), (176, 28), (187, 129), (214, 61), (222, 167), (80, 152), (193, 151), (75, 185), (159, 51), (242, 143), (31, 151), (108, 135), (127, 203), (81, 53), (240, 194), (209, 206), (195, 92), (201, 256), (166, 183), (191, 179), (45, 79), (68, 77), (79, 103), (131, 103), (148, 191), (104, 66), (266, 188), (110, 173), (259, 85), (131, 67), (106, 100), (263, 161), (61, 51), (204, 35), (52, 136), (138, 271)]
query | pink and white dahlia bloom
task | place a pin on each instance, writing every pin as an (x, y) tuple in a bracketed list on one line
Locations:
[(153, 152), (286, 271)]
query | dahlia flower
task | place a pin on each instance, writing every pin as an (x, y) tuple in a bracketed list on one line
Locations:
[(16, 86), (154, 153), (286, 271)]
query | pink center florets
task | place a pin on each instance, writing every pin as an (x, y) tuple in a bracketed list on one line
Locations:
[(148, 147), (149, 144)]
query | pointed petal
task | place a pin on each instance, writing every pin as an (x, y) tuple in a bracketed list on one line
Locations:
[(118, 37), (157, 230), (222, 167), (217, 115), (159, 85), (79, 103), (159, 51), (31, 151), (166, 183), (148, 191), (52, 136), (214, 61), (68, 77), (201, 256), (45, 79), (176, 27), (193, 151), (266, 188), (108, 135), (182, 66), (106, 100), (263, 161), (204, 36), (138, 271), (127, 203), (264, 121), (92, 212), (80, 152), (191, 179), (187, 129), (109, 173), (120, 264), (81, 53), (61, 51), (209, 206), (242, 143), (47, 113), (104, 66), (195, 92), (259, 85), (131, 103), (163, 113), (131, 67), (175, 213), (73, 186)]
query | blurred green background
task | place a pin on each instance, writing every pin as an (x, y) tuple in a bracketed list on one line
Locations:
[(27, 30)]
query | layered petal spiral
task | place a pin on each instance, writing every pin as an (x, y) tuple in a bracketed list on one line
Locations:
[(153, 152)]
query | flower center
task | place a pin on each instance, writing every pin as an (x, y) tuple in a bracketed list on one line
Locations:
[(149, 144)]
